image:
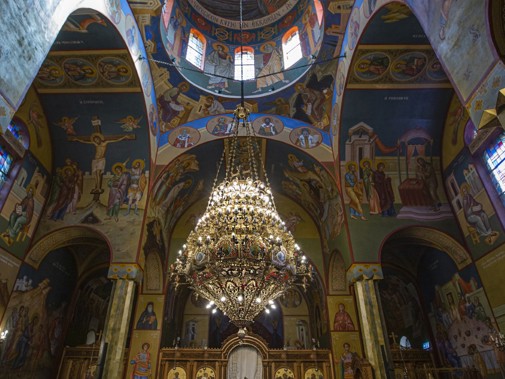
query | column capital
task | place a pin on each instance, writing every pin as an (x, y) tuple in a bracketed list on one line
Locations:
[(129, 271), (364, 271)]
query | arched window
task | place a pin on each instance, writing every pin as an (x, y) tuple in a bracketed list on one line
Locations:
[(494, 157), (5, 165), (291, 48), (196, 48), (319, 11), (19, 131), (244, 63)]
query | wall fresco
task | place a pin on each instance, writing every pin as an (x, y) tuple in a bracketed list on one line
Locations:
[(472, 206), (460, 316), (35, 316), (20, 215)]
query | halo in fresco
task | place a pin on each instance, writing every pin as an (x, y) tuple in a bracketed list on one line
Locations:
[(114, 70), (132, 36), (409, 66), (220, 126), (114, 10), (184, 137), (435, 70), (305, 137), (50, 74), (372, 66), (80, 71), (267, 126)]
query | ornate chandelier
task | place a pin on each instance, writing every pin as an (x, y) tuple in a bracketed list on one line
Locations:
[(240, 256)]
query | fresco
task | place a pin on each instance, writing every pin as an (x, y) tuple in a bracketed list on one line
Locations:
[(32, 115), (346, 349), (473, 207), (177, 187), (9, 267), (460, 316), (492, 279), (35, 316), (250, 9), (89, 71), (268, 126), (97, 181), (444, 23), (311, 185), (143, 359), (184, 137), (222, 126), (454, 130), (411, 150), (342, 314), (397, 68), (148, 316), (221, 45), (400, 301), (305, 138), (20, 215)]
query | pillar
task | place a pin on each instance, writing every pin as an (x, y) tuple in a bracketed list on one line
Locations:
[(112, 350), (372, 330)]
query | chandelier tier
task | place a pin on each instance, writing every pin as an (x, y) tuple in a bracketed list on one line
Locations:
[(240, 256)]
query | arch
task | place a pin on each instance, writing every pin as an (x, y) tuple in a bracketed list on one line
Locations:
[(291, 47), (245, 361), (233, 341), (197, 45), (430, 237), (71, 235)]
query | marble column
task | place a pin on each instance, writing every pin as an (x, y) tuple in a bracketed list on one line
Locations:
[(372, 329), (117, 325)]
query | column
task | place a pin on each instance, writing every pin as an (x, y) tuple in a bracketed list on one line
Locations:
[(116, 329), (372, 330)]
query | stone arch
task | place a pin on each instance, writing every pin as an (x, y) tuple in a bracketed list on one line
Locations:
[(65, 237), (430, 237)]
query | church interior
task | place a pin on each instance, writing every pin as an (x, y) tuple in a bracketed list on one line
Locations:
[(378, 127)]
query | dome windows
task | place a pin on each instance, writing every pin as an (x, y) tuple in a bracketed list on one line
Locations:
[(291, 47), (196, 48), (244, 63)]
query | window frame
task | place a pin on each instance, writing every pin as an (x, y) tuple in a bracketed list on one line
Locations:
[(249, 67), (288, 48), (192, 53)]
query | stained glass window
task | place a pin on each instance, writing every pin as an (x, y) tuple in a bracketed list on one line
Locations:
[(244, 56), (495, 160), (196, 49), (5, 165), (291, 47)]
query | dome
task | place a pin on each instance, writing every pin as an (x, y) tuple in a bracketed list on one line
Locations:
[(277, 43)]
